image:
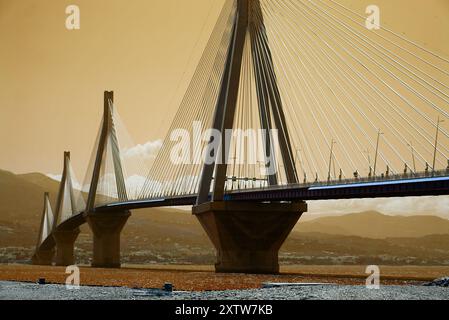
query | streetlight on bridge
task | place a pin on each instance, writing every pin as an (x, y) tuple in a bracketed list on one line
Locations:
[(436, 145), (379, 133)]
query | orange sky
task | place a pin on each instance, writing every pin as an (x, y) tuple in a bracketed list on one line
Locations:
[(52, 79)]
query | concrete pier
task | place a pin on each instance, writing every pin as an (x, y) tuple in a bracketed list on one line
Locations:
[(65, 246), (43, 257), (248, 236), (106, 228)]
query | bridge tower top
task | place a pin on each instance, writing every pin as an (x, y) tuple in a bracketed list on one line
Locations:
[(47, 221), (108, 136), (248, 21), (66, 193)]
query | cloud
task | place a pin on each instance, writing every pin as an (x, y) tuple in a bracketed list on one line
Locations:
[(56, 177), (147, 151)]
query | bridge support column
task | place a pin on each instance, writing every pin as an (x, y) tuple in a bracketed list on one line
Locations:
[(248, 236), (65, 245), (43, 258), (106, 228)]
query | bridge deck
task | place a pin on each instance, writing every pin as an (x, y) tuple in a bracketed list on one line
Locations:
[(427, 186), (424, 186)]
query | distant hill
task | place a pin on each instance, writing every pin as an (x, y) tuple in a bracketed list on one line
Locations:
[(42, 181), (21, 200), (21, 204), (376, 225)]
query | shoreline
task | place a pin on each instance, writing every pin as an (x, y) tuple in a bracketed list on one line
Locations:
[(202, 278)]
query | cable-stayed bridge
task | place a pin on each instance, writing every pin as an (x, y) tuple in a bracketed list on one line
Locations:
[(292, 100)]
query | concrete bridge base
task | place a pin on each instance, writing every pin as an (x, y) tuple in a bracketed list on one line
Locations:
[(65, 245), (106, 228), (248, 236), (43, 257)]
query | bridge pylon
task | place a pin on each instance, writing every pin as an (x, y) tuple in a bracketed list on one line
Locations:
[(247, 236), (106, 227), (45, 246), (65, 239)]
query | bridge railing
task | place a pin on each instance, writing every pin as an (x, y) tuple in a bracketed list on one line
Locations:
[(334, 182)]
